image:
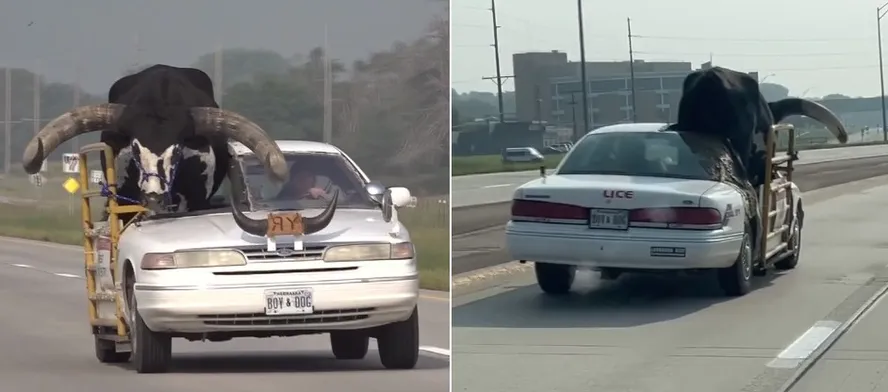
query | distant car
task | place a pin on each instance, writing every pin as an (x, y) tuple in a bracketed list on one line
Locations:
[(522, 154), (634, 197)]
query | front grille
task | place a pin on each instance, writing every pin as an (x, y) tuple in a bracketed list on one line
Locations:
[(260, 254), (318, 317)]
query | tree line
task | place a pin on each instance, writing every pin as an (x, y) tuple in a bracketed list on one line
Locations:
[(390, 112)]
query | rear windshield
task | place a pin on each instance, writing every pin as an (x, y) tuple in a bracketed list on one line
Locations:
[(652, 154)]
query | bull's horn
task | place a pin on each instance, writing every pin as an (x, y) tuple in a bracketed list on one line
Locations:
[(65, 127), (259, 227), (804, 107), (248, 133)]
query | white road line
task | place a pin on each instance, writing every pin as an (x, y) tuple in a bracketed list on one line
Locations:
[(496, 185), (67, 275), (436, 350), (21, 265), (804, 345)]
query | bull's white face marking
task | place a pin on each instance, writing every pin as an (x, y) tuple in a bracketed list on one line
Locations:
[(209, 161), (151, 179)]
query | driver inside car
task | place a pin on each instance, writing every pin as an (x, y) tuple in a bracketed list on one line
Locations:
[(303, 186)]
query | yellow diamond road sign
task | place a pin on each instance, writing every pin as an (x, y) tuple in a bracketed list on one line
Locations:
[(71, 185)]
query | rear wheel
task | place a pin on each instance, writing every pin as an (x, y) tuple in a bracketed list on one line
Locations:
[(795, 244), (106, 352), (736, 280), (555, 279), (349, 344), (610, 274)]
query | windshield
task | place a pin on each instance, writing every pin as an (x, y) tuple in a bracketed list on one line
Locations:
[(652, 154), (313, 179)]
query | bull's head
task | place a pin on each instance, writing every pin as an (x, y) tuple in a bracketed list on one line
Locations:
[(156, 163)]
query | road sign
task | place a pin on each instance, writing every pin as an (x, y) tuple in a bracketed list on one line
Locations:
[(96, 176), (37, 179), (71, 163), (71, 185)]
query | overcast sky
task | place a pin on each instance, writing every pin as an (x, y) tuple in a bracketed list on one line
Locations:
[(100, 35), (813, 48)]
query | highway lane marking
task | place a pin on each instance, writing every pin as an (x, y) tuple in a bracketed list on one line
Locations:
[(805, 345), (441, 296), (497, 185), (436, 350)]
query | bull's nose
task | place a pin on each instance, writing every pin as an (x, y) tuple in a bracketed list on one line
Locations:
[(151, 200)]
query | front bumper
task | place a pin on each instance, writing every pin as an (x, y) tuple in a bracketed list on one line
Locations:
[(338, 305)]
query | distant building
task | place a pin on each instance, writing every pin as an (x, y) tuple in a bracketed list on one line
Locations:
[(548, 88)]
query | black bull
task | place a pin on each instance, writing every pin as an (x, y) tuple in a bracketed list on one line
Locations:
[(167, 119), (726, 103)]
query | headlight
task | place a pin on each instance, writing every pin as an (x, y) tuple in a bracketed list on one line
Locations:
[(192, 259), (364, 252)]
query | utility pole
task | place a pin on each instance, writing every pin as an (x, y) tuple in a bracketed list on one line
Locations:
[(879, 15), (499, 78), (217, 71), (75, 143), (7, 117), (632, 70), (583, 80), (37, 86), (328, 91)]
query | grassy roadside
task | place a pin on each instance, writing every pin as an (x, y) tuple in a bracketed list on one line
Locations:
[(55, 221), (482, 164)]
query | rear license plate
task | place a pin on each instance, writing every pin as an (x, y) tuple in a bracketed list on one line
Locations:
[(608, 219), (284, 302)]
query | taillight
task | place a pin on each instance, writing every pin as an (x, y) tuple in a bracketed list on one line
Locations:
[(543, 211), (676, 217)]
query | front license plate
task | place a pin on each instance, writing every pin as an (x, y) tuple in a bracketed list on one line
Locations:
[(284, 302), (608, 219)]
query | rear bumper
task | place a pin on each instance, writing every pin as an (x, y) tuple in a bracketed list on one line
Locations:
[(634, 252)]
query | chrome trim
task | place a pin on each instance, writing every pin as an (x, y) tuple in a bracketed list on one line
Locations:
[(155, 287)]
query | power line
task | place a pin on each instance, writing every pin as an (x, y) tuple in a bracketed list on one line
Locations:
[(723, 39)]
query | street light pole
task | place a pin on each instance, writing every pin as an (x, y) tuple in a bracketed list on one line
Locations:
[(879, 15)]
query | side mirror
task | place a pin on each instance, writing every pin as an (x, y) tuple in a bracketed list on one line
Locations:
[(400, 197), (387, 207), (376, 190)]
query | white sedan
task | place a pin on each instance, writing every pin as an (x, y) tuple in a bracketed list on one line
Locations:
[(198, 276), (634, 197)]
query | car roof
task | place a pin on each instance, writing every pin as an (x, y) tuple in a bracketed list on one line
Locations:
[(632, 127), (292, 146)]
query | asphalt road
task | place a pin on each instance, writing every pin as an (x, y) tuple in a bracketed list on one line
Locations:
[(679, 334), (474, 247), (47, 346)]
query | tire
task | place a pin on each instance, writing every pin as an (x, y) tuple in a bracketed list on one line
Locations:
[(349, 344), (736, 280), (399, 343), (790, 262), (152, 351), (555, 279), (106, 352), (610, 274)]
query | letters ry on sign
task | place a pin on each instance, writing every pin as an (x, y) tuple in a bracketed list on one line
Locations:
[(619, 194), (284, 223)]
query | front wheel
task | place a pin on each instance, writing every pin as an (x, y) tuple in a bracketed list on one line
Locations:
[(399, 343), (736, 280), (152, 351), (349, 344)]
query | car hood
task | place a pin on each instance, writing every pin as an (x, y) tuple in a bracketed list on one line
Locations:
[(220, 230)]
